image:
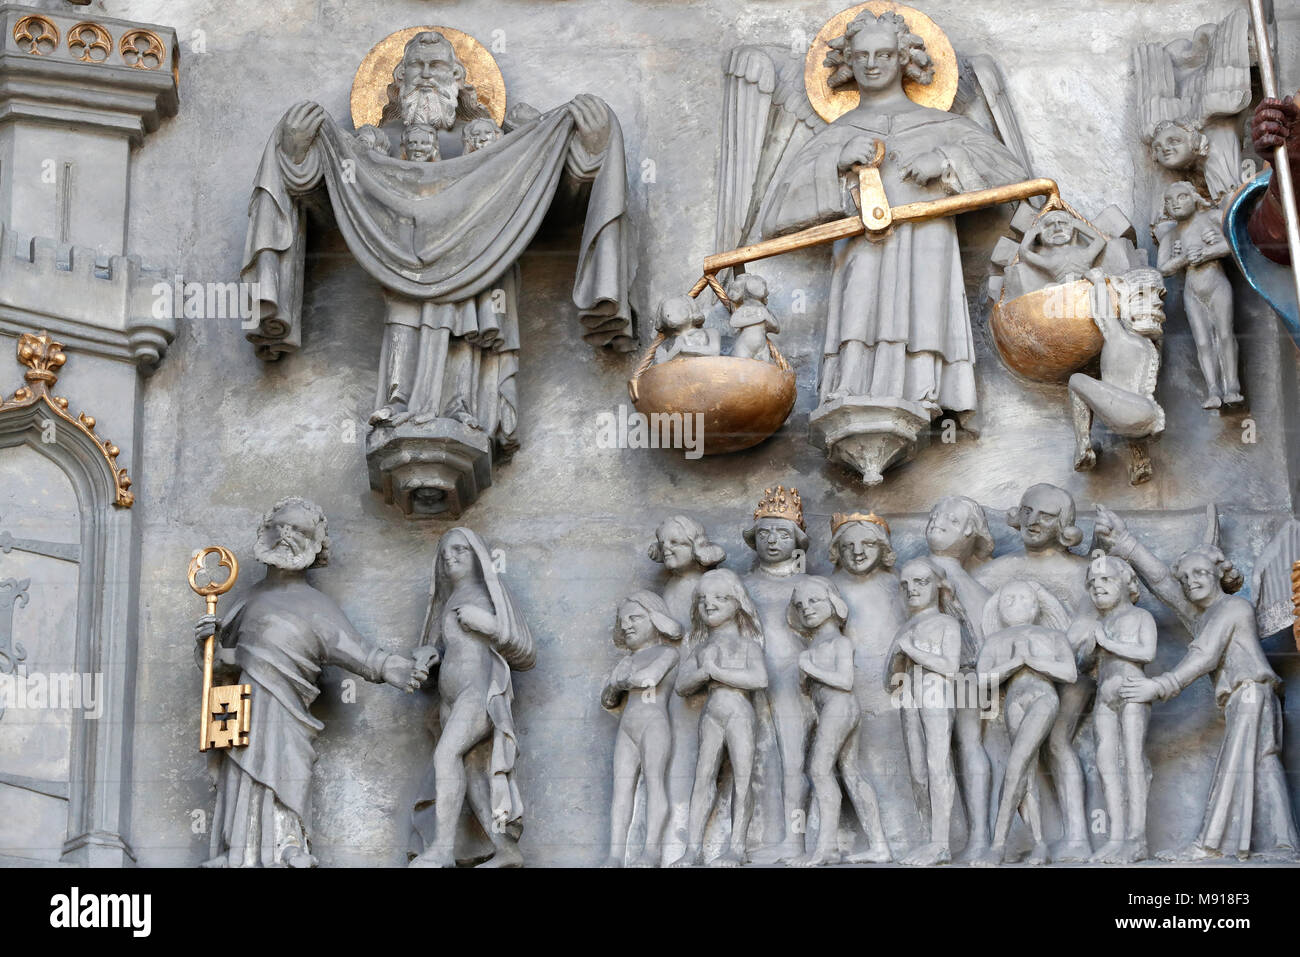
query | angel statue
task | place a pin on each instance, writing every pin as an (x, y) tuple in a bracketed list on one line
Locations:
[(1191, 94), (898, 345), (439, 221)]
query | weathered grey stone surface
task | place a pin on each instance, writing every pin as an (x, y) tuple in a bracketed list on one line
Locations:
[(224, 435)]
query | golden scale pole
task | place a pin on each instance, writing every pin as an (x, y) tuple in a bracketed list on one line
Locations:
[(876, 218), (225, 713)]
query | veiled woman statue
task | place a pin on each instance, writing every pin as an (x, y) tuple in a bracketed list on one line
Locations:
[(474, 635), (898, 336)]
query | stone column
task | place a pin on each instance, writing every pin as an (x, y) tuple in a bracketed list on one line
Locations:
[(78, 94)]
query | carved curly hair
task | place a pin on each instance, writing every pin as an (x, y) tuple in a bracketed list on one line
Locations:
[(917, 64), (1230, 579), (323, 556)]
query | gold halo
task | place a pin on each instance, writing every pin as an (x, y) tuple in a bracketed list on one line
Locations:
[(370, 85), (832, 104)]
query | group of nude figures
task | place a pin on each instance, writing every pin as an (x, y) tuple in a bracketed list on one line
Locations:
[(1054, 634)]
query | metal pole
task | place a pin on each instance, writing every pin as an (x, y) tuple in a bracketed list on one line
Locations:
[(1281, 164)]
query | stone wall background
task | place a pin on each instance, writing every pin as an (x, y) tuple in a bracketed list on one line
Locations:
[(226, 435)]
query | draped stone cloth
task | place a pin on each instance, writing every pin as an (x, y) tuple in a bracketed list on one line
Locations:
[(441, 232), (283, 634), (512, 648), (902, 296)]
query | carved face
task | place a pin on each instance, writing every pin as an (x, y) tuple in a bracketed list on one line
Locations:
[(812, 604), (1199, 576), (1174, 148), (678, 549), (457, 557), (479, 134), (947, 530), (860, 547), (419, 144), (291, 539), (1180, 202), (1058, 229), (1018, 605), (1040, 519), (429, 87), (716, 603), (920, 586), (634, 626), (1106, 588), (875, 58), (775, 540), (1144, 307)]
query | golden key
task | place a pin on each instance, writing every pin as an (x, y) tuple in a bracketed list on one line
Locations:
[(225, 714)]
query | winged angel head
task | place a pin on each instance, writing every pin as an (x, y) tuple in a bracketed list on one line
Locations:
[(878, 52)]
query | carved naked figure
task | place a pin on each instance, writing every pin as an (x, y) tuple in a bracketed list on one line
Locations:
[(925, 659), (1249, 791), (1195, 246), (1125, 640), (1025, 648), (473, 632), (681, 323), (958, 538), (726, 666), (1045, 521), (1129, 312), (277, 640), (1060, 248), (817, 612), (683, 547), (751, 320), (780, 543), (641, 683)]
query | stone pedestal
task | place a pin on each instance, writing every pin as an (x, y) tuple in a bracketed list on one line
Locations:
[(438, 468), (870, 435)]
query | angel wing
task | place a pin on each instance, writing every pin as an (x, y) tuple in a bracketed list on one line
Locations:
[(767, 118)]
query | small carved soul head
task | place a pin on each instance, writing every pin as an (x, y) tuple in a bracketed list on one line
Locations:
[(1204, 571), (456, 557), (1045, 518), (1110, 580), (1058, 228), (775, 539), (479, 133), (813, 602), (1176, 144), (878, 52), (719, 598), (676, 314), (420, 143), (642, 619), (958, 527), (1017, 604), (924, 585), (293, 536), (1182, 201), (861, 547), (681, 542)]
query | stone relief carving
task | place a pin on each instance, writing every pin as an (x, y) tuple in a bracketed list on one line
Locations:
[(446, 404), (476, 636), (276, 639)]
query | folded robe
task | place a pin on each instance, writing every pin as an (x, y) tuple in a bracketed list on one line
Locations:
[(442, 231)]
